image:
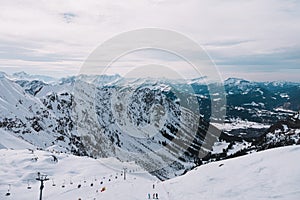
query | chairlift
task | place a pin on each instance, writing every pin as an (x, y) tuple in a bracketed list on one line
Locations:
[(63, 185), (53, 184), (8, 191), (28, 185)]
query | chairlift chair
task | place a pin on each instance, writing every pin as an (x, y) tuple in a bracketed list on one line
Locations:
[(63, 185), (8, 191), (53, 184)]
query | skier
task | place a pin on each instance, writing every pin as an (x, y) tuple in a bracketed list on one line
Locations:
[(55, 158), (103, 189), (156, 195), (149, 196)]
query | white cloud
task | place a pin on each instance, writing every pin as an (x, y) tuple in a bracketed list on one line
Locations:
[(71, 29)]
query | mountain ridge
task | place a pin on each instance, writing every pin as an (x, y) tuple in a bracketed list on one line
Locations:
[(43, 114)]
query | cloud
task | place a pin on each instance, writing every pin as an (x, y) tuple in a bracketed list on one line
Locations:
[(234, 32), (288, 57), (68, 17)]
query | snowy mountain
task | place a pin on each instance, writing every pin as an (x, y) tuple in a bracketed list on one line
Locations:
[(137, 121), (30, 118), (283, 133), (24, 76), (109, 116)]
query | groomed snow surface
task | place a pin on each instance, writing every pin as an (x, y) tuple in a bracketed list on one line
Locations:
[(272, 174)]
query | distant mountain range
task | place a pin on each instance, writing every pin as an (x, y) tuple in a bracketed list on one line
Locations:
[(102, 116)]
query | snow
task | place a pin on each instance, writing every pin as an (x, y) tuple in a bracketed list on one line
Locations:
[(20, 166), (14, 101), (3, 74), (251, 104), (235, 81), (24, 76), (285, 128), (284, 95), (297, 116), (238, 146), (259, 90), (272, 174), (240, 124), (219, 147), (9, 141), (284, 110)]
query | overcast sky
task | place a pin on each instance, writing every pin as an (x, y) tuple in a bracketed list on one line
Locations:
[(251, 39)]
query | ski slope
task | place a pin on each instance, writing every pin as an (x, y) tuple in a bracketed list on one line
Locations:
[(10, 141), (19, 169), (272, 174)]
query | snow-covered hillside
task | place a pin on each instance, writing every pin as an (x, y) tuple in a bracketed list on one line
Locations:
[(272, 174), (10, 141), (43, 122), (70, 177), (151, 122)]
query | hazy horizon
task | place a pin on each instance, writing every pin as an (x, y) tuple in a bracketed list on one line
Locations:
[(71, 75)]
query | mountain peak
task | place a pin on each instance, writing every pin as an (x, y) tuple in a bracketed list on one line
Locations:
[(3, 75), (25, 76), (20, 74), (235, 81)]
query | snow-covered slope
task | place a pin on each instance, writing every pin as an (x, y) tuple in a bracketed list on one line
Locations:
[(19, 168), (43, 115), (31, 118), (10, 141), (104, 116), (272, 174)]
